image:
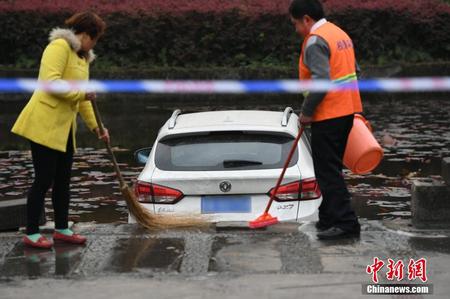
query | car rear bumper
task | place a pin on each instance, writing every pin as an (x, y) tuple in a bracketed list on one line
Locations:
[(285, 211)]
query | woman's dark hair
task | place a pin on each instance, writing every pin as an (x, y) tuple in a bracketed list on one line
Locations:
[(300, 8), (87, 22)]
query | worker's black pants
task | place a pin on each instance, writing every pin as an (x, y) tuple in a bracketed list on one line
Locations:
[(328, 142), (50, 167)]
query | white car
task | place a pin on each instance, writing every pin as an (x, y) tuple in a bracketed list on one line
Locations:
[(225, 163)]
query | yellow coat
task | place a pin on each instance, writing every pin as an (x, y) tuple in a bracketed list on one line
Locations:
[(48, 117)]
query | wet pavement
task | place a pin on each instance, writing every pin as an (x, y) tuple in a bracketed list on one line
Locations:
[(286, 260)]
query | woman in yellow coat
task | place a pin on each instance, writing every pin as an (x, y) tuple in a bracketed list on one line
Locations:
[(48, 121)]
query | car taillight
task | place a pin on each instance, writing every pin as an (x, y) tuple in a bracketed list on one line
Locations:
[(152, 193), (307, 189)]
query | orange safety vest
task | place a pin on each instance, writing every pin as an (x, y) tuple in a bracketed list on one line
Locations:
[(342, 70)]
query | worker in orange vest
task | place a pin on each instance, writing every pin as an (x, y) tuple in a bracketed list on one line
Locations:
[(327, 53)]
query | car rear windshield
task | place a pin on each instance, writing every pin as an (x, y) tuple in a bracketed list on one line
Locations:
[(222, 151)]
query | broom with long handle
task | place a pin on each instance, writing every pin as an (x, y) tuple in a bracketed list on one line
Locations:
[(140, 214), (266, 219)]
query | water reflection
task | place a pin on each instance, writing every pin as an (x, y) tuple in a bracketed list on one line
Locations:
[(147, 253), (32, 262), (95, 195)]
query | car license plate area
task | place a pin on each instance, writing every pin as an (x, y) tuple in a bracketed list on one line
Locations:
[(226, 204)]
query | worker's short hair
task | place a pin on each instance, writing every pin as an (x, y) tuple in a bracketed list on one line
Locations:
[(312, 8), (87, 22)]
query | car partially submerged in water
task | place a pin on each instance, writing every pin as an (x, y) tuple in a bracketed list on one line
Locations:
[(225, 164)]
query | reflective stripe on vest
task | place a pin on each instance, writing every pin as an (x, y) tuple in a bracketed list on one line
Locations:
[(342, 70), (346, 79)]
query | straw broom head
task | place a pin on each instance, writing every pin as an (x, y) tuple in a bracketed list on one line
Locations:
[(151, 221)]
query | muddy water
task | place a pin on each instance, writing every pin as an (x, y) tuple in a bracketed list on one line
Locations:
[(414, 134)]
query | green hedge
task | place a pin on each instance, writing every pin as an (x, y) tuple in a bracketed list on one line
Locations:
[(228, 39)]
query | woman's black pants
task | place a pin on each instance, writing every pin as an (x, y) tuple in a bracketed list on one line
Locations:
[(51, 168), (328, 142)]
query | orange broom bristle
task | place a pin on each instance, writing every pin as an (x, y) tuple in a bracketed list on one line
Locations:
[(263, 221)]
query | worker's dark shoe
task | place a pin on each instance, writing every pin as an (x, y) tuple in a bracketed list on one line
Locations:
[(335, 233), (73, 239), (320, 226), (42, 242)]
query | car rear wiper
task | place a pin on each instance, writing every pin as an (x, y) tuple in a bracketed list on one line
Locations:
[(239, 163)]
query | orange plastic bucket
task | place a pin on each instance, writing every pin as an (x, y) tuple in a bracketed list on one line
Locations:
[(363, 153)]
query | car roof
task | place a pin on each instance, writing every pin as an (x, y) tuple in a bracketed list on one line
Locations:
[(231, 120)]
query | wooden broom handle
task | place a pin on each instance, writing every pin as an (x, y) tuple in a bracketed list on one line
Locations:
[(108, 145)]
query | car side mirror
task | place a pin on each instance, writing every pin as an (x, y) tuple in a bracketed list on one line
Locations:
[(141, 155)]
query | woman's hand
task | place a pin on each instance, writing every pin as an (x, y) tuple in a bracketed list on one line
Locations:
[(105, 136), (91, 96)]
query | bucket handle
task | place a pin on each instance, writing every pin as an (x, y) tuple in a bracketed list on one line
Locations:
[(366, 122)]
